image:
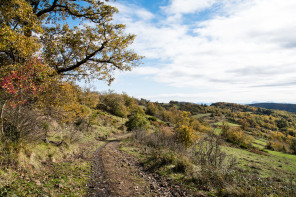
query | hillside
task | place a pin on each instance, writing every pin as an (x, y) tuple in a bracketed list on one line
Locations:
[(276, 106), (60, 139), (117, 145)]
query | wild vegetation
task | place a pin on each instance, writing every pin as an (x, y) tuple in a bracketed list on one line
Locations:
[(277, 106), (50, 127), (212, 153), (231, 155)]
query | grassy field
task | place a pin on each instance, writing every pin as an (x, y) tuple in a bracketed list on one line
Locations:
[(202, 115), (229, 123), (273, 164), (218, 131), (260, 143), (278, 167)]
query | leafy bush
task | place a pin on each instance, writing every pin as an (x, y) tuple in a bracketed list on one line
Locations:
[(151, 109), (277, 146), (236, 136), (137, 121), (171, 160), (115, 104), (152, 118), (186, 135)]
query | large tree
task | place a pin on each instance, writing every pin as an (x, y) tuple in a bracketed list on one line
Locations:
[(77, 38), (17, 21)]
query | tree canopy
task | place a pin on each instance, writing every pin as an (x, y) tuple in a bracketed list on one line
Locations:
[(77, 39)]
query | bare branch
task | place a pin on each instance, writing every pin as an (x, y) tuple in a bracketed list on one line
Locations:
[(51, 8), (72, 67)]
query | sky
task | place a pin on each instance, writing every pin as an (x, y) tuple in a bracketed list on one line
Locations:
[(205, 51)]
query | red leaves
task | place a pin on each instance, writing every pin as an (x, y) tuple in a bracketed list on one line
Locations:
[(22, 84)]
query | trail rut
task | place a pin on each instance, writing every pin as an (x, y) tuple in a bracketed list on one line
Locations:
[(116, 173)]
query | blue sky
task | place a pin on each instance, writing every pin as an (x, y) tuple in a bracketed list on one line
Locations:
[(208, 51)]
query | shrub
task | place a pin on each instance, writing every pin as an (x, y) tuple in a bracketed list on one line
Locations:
[(174, 162), (185, 133), (152, 109), (137, 121), (207, 153), (236, 136), (152, 118), (115, 104), (22, 125), (277, 146)]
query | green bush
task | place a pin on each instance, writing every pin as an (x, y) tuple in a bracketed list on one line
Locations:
[(152, 118), (236, 136), (137, 121)]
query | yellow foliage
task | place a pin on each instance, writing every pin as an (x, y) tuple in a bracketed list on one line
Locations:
[(61, 99), (275, 135), (91, 99), (277, 146), (236, 135), (15, 38), (185, 132), (186, 135)]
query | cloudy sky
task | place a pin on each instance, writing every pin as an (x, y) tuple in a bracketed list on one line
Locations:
[(205, 51)]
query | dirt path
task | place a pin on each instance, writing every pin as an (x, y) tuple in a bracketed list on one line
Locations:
[(116, 173)]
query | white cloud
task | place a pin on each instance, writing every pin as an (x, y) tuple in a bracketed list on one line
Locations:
[(177, 7), (234, 96), (131, 13), (146, 70), (247, 46)]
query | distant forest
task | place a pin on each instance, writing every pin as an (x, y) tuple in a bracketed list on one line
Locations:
[(277, 106)]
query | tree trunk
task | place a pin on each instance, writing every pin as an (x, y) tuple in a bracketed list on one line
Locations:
[(1, 117)]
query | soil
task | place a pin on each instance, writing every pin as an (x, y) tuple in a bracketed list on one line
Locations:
[(117, 173)]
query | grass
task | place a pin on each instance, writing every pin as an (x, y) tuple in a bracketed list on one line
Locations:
[(49, 169), (119, 119), (132, 150), (259, 142), (275, 164), (274, 168), (202, 115), (229, 123), (218, 131), (60, 179), (283, 155)]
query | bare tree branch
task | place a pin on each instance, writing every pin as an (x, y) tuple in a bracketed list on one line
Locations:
[(51, 8), (72, 67)]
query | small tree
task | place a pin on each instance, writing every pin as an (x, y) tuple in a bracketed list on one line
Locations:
[(235, 135), (115, 104), (21, 84), (185, 132), (19, 87), (137, 121), (151, 109)]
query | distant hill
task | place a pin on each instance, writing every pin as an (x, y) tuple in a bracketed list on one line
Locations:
[(277, 106)]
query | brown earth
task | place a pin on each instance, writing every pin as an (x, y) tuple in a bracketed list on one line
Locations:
[(117, 173)]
